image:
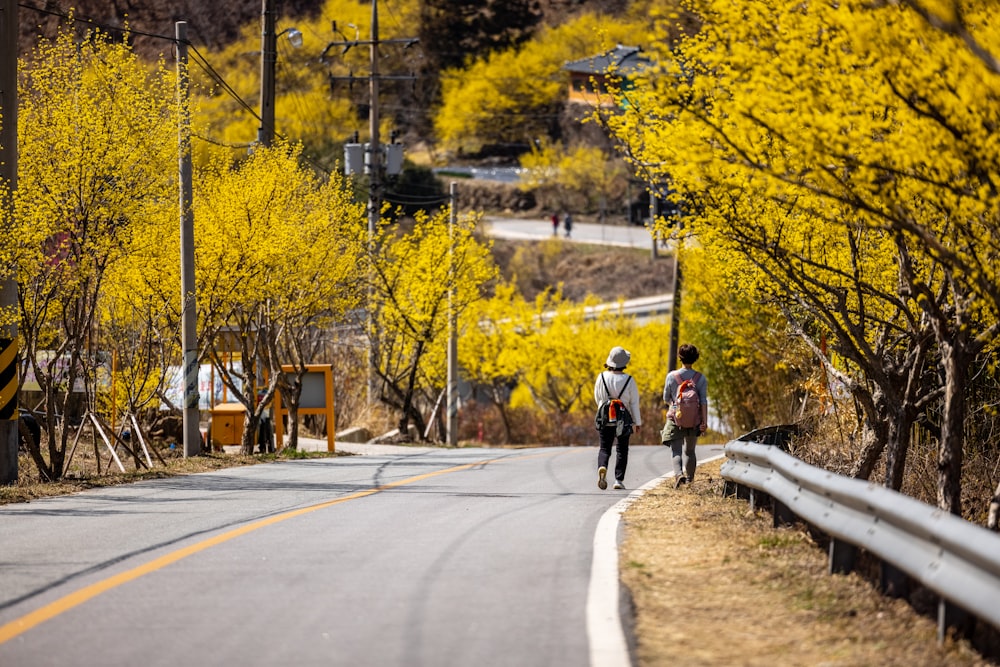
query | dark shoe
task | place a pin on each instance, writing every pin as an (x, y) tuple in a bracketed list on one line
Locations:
[(602, 475), (681, 479)]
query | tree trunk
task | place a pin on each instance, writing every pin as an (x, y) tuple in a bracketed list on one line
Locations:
[(897, 446), (407, 412), (993, 522), (872, 447), (251, 422), (293, 399), (500, 402), (293, 425), (954, 358)]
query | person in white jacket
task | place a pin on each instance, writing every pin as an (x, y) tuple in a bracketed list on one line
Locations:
[(611, 383)]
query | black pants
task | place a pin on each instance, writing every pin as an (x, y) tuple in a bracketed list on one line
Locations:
[(604, 455)]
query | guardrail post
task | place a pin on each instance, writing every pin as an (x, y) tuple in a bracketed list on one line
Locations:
[(783, 516), (950, 616), (914, 544), (895, 583), (758, 500), (842, 556)]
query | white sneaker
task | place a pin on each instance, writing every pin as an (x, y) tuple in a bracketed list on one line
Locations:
[(618, 484), (602, 474)]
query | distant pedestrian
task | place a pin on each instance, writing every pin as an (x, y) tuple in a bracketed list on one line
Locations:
[(568, 223), (685, 392), (555, 224), (615, 383)]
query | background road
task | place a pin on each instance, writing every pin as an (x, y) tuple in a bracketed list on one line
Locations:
[(643, 309), (422, 557), (627, 236)]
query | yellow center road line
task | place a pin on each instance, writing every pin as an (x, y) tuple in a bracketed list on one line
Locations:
[(21, 625)]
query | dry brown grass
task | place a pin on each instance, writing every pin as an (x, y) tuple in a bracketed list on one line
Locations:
[(714, 584)]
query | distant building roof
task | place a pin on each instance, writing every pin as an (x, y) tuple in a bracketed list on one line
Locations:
[(621, 60)]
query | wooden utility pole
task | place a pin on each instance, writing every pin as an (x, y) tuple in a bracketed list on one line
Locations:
[(375, 162), (675, 307), (268, 57), (374, 194), (451, 429), (189, 332), (9, 383)]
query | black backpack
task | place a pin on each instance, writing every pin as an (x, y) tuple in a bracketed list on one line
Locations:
[(613, 412)]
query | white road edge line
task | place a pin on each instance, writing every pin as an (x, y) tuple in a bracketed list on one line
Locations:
[(605, 633)]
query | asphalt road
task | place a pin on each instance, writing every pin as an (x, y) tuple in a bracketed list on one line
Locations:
[(424, 557), (627, 236)]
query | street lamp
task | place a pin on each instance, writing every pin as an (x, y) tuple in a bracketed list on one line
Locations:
[(294, 36)]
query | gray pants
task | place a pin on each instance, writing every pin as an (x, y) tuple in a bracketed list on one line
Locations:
[(685, 461)]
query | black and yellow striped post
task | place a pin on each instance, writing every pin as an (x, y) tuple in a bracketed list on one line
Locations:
[(8, 410), (8, 284), (8, 378)]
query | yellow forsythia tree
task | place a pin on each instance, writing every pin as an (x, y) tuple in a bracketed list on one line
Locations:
[(846, 147), (495, 347), (98, 150), (583, 178), (413, 271), (138, 318), (278, 254)]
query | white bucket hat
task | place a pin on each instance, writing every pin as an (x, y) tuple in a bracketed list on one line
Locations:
[(618, 358)]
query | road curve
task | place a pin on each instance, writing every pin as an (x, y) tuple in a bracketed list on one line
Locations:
[(536, 229)]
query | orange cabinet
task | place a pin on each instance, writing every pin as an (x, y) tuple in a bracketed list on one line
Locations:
[(227, 425)]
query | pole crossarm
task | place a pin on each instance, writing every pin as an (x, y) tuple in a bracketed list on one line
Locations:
[(407, 42), (380, 77)]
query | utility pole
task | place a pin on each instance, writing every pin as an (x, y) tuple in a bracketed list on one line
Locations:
[(451, 430), (9, 383), (189, 333), (268, 56), (374, 145), (675, 279), (374, 196), (373, 159), (675, 307)]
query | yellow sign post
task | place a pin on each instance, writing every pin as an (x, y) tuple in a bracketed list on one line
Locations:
[(316, 399)]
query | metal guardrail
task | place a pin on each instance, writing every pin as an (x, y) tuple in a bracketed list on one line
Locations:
[(957, 560)]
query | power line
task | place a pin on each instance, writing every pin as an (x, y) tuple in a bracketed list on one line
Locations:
[(215, 76), (98, 24), (198, 58)]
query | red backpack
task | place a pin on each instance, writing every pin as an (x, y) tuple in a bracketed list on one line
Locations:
[(686, 410)]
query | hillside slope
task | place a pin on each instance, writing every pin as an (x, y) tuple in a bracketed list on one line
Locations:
[(213, 25), (608, 273)]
